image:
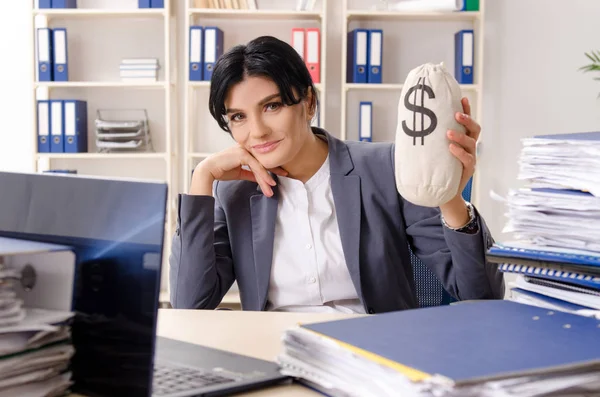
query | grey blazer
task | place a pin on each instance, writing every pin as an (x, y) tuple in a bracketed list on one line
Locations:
[(230, 236)]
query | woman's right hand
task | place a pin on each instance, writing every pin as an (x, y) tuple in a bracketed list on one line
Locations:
[(226, 166)]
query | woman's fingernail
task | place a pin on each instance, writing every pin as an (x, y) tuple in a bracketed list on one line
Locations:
[(450, 134)]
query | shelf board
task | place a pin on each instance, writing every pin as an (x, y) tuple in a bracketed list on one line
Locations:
[(255, 14), (425, 15), (206, 84), (100, 84), (103, 13), (394, 87), (103, 156)]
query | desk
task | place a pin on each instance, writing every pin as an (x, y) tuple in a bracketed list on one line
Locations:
[(255, 334)]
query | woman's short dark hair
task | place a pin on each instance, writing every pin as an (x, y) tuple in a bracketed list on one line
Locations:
[(265, 56)]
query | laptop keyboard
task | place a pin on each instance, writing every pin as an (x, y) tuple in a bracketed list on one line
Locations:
[(172, 378)]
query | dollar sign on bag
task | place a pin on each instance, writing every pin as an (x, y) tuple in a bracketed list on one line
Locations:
[(423, 88)]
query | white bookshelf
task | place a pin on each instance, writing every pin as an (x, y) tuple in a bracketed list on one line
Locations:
[(203, 138), (102, 13), (160, 164), (412, 27)]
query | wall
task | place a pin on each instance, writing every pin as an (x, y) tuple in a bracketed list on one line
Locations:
[(532, 85), (16, 76)]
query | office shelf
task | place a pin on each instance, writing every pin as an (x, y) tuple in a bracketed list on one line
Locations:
[(100, 13), (256, 14), (103, 156), (101, 84), (394, 87), (206, 84), (391, 15)]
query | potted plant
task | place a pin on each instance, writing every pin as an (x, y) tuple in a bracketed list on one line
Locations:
[(593, 56)]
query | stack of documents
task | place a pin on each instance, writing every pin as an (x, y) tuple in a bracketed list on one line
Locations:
[(486, 348), (555, 221), (139, 70), (564, 161), (35, 346)]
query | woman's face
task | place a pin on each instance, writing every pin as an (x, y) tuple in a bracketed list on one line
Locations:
[(271, 131)]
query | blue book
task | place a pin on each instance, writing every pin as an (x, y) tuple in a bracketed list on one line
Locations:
[(45, 4), (548, 254), (592, 136), (554, 273), (469, 342), (144, 4), (157, 3)]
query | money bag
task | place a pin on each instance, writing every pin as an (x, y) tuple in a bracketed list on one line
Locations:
[(427, 173)]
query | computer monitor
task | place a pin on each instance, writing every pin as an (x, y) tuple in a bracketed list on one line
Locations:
[(116, 229)]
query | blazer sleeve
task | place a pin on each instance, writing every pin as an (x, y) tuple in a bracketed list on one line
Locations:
[(456, 258), (201, 266)]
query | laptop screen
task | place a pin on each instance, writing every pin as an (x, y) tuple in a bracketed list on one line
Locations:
[(116, 229)]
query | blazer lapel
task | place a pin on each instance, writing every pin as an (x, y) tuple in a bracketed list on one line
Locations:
[(263, 212), (348, 203)]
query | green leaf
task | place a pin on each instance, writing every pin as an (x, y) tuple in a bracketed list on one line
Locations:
[(590, 57)]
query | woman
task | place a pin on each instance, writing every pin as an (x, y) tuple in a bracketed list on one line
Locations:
[(304, 221)]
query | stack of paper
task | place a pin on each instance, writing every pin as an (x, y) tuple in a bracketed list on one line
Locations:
[(555, 217), (139, 70), (35, 345), (564, 161), (486, 348), (556, 223)]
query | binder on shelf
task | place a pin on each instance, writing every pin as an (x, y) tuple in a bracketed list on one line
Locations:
[(375, 56), (365, 122), (196, 53), (75, 126), (57, 131), (43, 126), (470, 5), (313, 53), (464, 46), (60, 58), (358, 40), (298, 41), (44, 53), (144, 4), (45, 4), (157, 3), (64, 3), (213, 49)]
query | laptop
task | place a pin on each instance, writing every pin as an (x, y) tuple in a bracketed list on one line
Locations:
[(116, 228)]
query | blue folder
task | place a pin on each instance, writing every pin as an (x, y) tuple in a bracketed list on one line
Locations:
[(157, 3), (540, 254), (471, 341), (64, 3), (75, 126), (44, 54), (213, 49), (357, 56), (196, 53), (45, 4), (464, 56)]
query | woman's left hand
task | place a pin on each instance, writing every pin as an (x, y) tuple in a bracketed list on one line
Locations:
[(463, 146)]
